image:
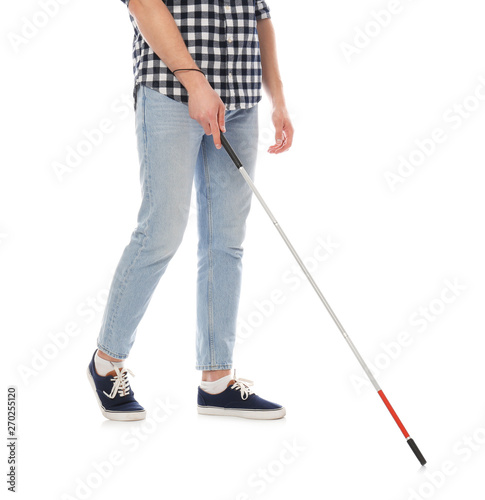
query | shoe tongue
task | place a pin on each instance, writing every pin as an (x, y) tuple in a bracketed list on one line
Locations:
[(231, 382), (112, 373)]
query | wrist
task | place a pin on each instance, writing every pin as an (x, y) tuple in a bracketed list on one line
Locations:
[(278, 100), (191, 80), (276, 95)]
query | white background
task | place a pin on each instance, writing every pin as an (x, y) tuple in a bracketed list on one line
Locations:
[(396, 254)]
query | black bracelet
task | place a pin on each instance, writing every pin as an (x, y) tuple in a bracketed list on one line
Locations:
[(188, 69)]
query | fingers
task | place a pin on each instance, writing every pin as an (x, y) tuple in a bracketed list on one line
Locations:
[(222, 117), (283, 138), (215, 125), (216, 134), (286, 145), (280, 143), (207, 127), (212, 128), (279, 135)]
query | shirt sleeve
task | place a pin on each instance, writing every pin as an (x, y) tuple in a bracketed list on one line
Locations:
[(262, 10), (126, 2)]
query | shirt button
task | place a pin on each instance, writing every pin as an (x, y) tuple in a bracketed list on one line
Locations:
[(229, 40), (230, 76), (227, 8)]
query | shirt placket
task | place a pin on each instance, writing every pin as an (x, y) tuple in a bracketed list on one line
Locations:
[(229, 13)]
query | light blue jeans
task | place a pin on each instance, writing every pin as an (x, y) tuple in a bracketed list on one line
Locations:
[(174, 153)]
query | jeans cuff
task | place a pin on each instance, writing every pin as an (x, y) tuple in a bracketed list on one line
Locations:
[(111, 353), (224, 366)]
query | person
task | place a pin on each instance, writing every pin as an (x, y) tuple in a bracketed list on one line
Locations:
[(199, 69)]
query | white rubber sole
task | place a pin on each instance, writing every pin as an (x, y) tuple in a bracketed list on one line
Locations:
[(235, 412), (115, 415)]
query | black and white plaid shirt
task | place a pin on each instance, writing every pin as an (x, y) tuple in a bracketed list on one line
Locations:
[(222, 39)]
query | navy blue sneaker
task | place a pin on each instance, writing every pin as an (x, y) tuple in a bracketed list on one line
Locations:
[(238, 400), (114, 394)]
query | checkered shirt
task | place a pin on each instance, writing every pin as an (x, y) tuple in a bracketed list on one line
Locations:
[(222, 39)]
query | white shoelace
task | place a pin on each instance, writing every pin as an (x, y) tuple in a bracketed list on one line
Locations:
[(242, 384), (121, 383)]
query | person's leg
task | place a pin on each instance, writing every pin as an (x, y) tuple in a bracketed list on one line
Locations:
[(168, 145), (224, 200)]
